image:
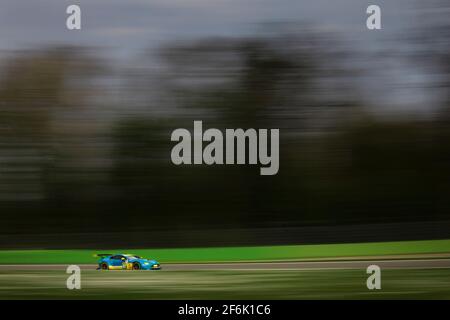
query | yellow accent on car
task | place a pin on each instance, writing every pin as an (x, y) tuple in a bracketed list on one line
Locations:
[(115, 267)]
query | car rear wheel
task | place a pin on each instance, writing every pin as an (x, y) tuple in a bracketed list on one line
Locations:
[(104, 266), (136, 266)]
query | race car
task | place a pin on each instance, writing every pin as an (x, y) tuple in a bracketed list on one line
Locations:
[(125, 262)]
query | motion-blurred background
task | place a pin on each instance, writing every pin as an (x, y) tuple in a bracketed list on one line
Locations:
[(86, 118)]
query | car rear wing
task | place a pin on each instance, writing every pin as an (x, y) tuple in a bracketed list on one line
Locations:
[(100, 255)]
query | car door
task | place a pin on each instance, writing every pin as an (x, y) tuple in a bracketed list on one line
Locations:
[(116, 261), (123, 262)]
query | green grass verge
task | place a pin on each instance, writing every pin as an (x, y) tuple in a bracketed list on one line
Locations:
[(224, 254)]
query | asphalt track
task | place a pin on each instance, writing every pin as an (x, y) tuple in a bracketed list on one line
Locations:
[(309, 265)]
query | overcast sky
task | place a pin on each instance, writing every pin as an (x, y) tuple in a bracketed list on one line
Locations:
[(124, 27), (132, 24)]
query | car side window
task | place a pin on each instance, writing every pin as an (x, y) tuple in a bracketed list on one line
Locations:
[(115, 257)]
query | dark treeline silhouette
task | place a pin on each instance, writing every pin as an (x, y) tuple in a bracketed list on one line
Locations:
[(85, 163)]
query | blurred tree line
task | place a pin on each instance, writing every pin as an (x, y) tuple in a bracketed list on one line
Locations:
[(81, 153)]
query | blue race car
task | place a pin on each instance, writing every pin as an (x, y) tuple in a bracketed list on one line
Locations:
[(125, 262)]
